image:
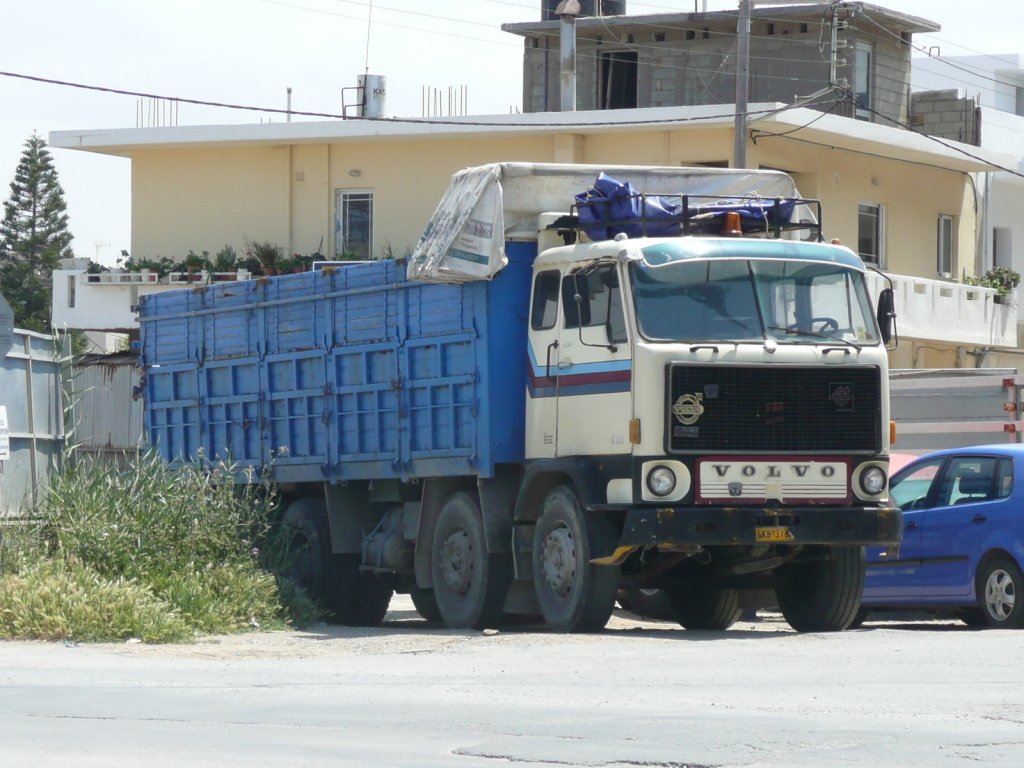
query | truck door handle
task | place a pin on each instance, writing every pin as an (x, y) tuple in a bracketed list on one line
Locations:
[(979, 519)]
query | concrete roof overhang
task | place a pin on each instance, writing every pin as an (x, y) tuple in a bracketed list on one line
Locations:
[(885, 17), (800, 124)]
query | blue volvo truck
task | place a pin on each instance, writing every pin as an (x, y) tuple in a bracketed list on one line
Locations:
[(567, 390)]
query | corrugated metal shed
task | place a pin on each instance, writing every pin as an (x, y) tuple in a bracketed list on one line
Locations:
[(30, 379), (106, 414)]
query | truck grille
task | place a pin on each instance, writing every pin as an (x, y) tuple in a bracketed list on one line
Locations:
[(789, 408)]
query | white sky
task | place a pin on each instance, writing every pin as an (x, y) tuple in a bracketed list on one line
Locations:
[(250, 51)]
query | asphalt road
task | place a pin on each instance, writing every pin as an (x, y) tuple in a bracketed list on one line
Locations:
[(640, 694)]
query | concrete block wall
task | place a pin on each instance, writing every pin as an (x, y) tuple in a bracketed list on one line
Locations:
[(684, 61), (947, 114)]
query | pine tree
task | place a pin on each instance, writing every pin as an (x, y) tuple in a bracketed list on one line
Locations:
[(34, 237)]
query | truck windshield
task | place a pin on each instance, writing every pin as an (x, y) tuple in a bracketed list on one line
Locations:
[(749, 300)]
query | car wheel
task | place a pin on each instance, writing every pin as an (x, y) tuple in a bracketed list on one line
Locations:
[(705, 608), (573, 594), (998, 588), (469, 583), (822, 595)]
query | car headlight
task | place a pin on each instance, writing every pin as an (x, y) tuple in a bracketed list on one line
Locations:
[(872, 481), (661, 481)]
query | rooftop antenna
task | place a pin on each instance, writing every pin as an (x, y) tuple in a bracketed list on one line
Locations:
[(369, 20)]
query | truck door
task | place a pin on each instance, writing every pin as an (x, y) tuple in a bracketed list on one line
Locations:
[(595, 365), (542, 362)]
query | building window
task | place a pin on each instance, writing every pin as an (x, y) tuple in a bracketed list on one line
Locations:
[(862, 81), (944, 251), (353, 223), (1002, 247), (618, 80), (71, 290), (871, 233)]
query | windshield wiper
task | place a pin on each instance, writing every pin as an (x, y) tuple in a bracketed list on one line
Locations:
[(815, 335)]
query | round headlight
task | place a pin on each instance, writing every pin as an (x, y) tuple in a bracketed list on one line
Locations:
[(872, 481), (661, 481)]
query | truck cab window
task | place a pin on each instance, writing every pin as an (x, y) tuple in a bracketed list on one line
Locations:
[(545, 300), (600, 301)]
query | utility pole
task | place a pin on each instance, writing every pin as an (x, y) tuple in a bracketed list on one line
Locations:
[(739, 154), (739, 148)]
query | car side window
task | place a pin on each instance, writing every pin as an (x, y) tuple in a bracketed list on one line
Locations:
[(970, 479), (910, 489)]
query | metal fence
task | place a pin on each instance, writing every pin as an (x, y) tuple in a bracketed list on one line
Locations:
[(30, 393)]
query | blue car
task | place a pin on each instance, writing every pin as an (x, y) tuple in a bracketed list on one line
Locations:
[(963, 538)]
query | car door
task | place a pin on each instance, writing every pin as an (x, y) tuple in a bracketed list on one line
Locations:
[(972, 491), (893, 578)]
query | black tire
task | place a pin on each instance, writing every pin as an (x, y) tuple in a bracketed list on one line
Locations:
[(469, 583), (327, 578), (973, 617), (371, 600), (715, 609), (573, 594), (822, 595), (999, 583), (425, 603), (647, 603), (859, 618)]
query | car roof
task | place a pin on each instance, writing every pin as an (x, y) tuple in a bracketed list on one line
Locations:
[(996, 449)]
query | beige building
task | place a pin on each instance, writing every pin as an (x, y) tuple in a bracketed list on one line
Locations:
[(369, 187)]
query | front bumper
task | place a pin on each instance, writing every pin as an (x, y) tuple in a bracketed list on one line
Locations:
[(667, 527)]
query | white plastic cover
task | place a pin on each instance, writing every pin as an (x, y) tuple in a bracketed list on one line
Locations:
[(486, 205)]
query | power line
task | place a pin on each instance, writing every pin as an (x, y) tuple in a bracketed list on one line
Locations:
[(963, 68), (396, 120)]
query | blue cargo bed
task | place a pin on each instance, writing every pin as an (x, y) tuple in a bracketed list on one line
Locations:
[(344, 374)]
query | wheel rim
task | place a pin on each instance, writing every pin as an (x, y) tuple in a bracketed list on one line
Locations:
[(1000, 594), (559, 560), (457, 563)]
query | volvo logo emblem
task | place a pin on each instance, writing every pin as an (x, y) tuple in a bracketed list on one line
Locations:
[(735, 489), (688, 408)]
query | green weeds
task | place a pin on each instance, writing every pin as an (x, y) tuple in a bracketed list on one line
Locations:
[(150, 552)]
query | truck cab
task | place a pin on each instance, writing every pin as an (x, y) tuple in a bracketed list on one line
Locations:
[(725, 401)]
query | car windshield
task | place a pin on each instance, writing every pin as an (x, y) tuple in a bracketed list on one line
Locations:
[(725, 299)]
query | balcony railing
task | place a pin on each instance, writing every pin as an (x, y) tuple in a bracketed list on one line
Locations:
[(939, 310)]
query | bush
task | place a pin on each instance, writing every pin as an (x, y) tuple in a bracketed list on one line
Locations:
[(151, 552)]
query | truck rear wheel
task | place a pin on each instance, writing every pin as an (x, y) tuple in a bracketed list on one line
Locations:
[(425, 603), (334, 581), (326, 577), (573, 594), (822, 595), (469, 582), (705, 608)]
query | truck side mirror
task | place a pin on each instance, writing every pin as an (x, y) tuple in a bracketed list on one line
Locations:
[(886, 314)]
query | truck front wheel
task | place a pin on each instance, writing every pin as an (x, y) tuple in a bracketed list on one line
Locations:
[(822, 595), (573, 594), (469, 582)]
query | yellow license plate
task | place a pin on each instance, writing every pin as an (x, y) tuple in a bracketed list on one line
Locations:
[(773, 534)]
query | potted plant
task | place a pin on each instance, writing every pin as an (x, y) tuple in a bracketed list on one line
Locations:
[(195, 263), (268, 255), (1003, 279)]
